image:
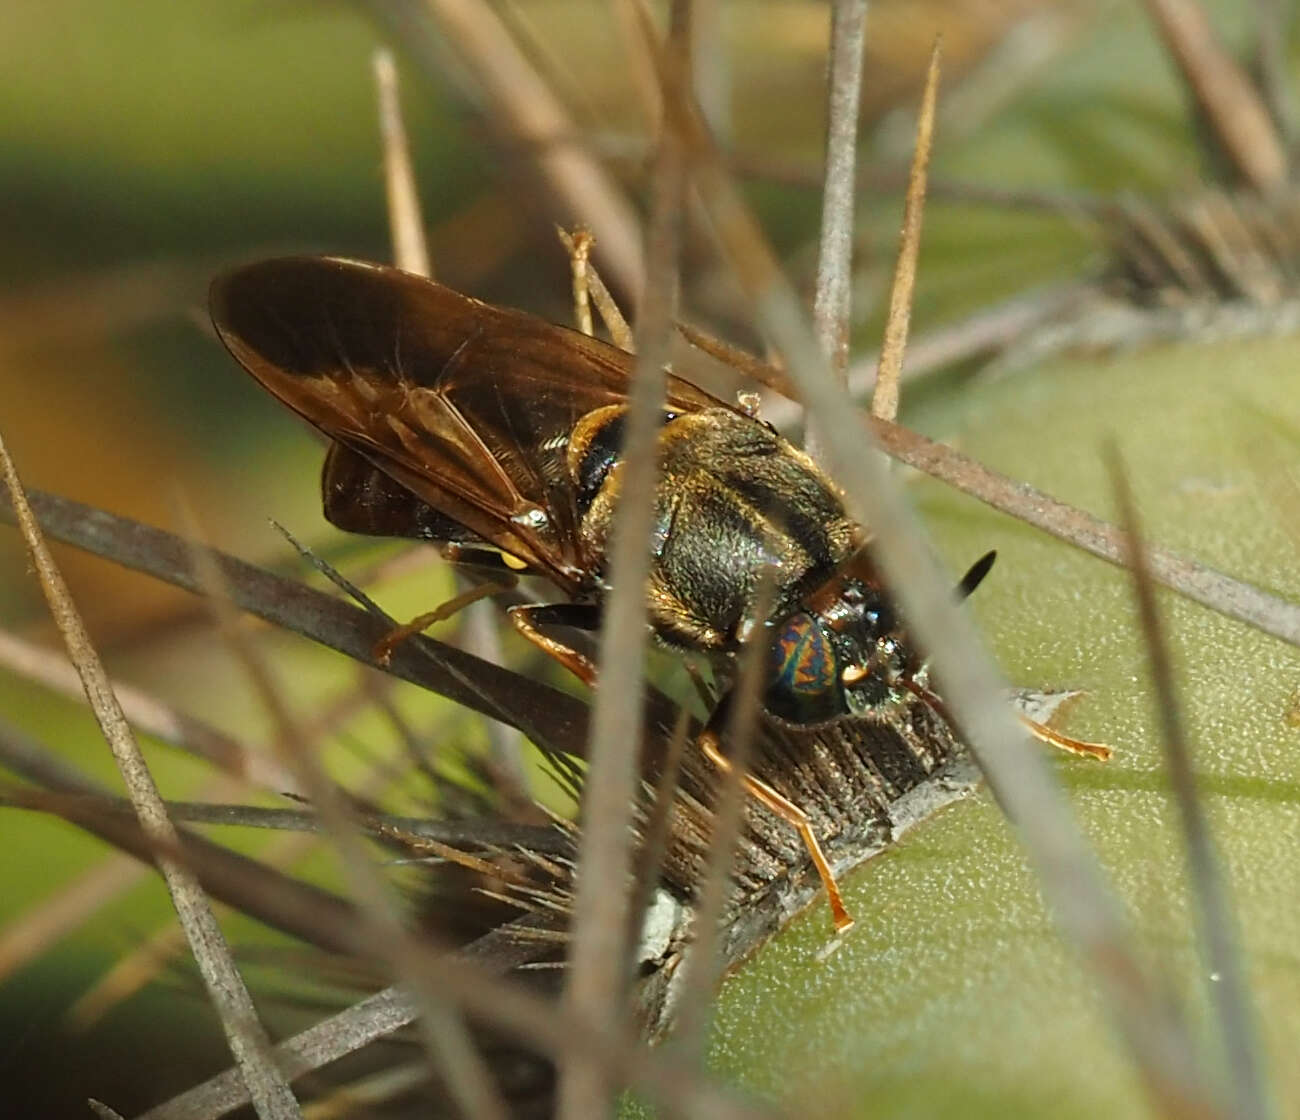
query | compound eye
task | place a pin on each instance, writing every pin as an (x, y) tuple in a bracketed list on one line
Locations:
[(803, 672)]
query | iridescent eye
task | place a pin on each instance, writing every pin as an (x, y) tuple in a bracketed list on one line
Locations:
[(803, 672)]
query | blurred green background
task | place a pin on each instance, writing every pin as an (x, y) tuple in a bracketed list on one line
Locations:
[(145, 144)]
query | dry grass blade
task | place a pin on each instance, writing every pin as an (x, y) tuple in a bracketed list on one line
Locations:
[(406, 226), (446, 1034), (551, 718), (597, 978), (832, 298), (619, 330), (245, 1035), (1224, 92), (150, 715), (1228, 988), (534, 115), (884, 400), (1231, 597), (1086, 909), (304, 911)]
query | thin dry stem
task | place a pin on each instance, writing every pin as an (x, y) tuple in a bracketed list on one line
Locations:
[(1227, 986), (405, 223), (1087, 910), (150, 715), (752, 366), (1225, 94), (656, 833), (552, 719), (304, 911), (833, 295), (378, 690), (535, 114), (411, 253), (39, 927), (704, 961), (884, 401), (446, 1034), (464, 977), (128, 975), (248, 1041), (1225, 594), (1273, 19), (597, 980), (1231, 597), (579, 245), (982, 333), (472, 834), (619, 330)]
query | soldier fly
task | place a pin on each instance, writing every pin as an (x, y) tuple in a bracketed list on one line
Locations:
[(458, 422)]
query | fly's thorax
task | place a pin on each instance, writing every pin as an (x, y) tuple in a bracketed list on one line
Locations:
[(735, 504), (595, 447), (594, 458)]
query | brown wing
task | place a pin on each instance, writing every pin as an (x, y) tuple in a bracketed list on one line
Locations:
[(467, 406), (359, 498)]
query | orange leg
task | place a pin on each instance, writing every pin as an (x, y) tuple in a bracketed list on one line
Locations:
[(585, 616), (1045, 734), (383, 651), (1039, 731), (788, 811), (581, 615)]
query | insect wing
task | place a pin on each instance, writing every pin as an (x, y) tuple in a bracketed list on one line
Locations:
[(359, 498), (467, 406)]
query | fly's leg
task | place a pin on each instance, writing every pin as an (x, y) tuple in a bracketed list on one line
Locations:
[(1052, 737), (1039, 731), (383, 649), (789, 812), (587, 617), (581, 616)]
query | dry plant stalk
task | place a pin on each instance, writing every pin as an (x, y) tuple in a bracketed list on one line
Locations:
[(597, 982), (1235, 110), (1087, 910), (1228, 990), (884, 401), (248, 1041)]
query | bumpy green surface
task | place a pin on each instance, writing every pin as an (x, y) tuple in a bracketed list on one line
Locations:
[(954, 994)]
